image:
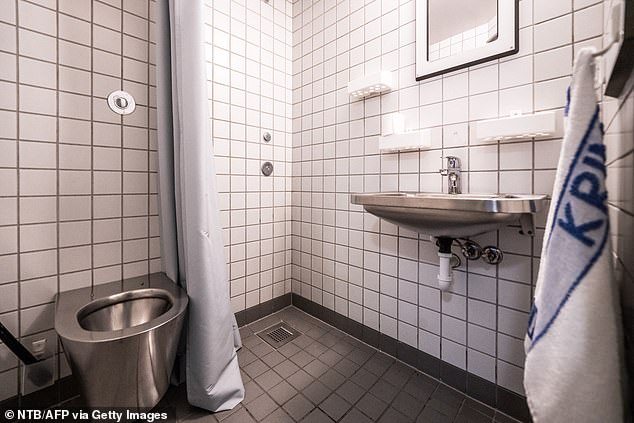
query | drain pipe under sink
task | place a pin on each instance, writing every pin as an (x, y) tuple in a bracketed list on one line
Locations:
[(445, 273)]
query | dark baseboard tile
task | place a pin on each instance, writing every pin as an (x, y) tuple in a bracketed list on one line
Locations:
[(476, 387), (259, 311), (512, 404), (62, 390)]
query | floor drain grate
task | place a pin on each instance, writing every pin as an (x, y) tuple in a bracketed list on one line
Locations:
[(279, 334)]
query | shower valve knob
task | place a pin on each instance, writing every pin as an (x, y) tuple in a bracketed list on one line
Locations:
[(267, 169)]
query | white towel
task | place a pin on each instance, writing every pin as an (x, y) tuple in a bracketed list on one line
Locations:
[(573, 344)]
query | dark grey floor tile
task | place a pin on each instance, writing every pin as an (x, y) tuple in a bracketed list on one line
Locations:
[(289, 349), (317, 416), (303, 341), (265, 322), (360, 356), (328, 340), (430, 415), (221, 416), (316, 349), (286, 369), (245, 377), (201, 416), (240, 416), (478, 406), (379, 363), (316, 368), (278, 416), (346, 367), (332, 379), (407, 404), (398, 374), (351, 392), (251, 392), (355, 416), (343, 348), (421, 386), (384, 391), (469, 415), (357, 343), (345, 371), (449, 410), (371, 406), (330, 357), (338, 333), (282, 392), (302, 358), (335, 406), (316, 392), (245, 331), (245, 356), (393, 416), (251, 341), (364, 378), (256, 368), (316, 332), (262, 349), (448, 395), (268, 379), (298, 407), (503, 418), (300, 380), (175, 398), (261, 407), (273, 359)]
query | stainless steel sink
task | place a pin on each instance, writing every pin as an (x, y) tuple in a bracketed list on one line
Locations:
[(453, 215)]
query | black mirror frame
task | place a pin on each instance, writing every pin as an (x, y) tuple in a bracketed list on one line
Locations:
[(484, 59)]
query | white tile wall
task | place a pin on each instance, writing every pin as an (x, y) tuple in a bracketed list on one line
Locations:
[(281, 66), (249, 71), (348, 260), (76, 181), (618, 118)]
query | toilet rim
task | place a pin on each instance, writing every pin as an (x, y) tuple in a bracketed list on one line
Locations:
[(69, 305)]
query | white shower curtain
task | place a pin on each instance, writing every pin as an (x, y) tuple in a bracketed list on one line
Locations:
[(192, 248)]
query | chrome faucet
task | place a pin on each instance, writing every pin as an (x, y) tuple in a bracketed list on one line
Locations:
[(452, 171)]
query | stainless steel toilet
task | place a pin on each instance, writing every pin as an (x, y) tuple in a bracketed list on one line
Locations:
[(121, 342)]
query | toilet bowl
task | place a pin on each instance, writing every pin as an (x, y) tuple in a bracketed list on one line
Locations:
[(121, 341)]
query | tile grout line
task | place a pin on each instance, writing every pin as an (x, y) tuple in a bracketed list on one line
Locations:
[(19, 379), (121, 122), (92, 154), (58, 364)]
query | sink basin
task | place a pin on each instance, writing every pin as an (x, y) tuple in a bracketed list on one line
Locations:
[(453, 215)]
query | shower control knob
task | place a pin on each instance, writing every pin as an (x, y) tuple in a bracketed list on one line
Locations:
[(492, 255), (266, 136), (267, 169)]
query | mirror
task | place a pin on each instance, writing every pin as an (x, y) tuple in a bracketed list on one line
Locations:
[(453, 34)]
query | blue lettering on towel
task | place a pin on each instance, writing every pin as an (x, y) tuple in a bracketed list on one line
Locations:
[(578, 230)]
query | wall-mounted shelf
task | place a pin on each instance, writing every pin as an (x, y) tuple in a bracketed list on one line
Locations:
[(406, 141), (517, 126), (368, 85)]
